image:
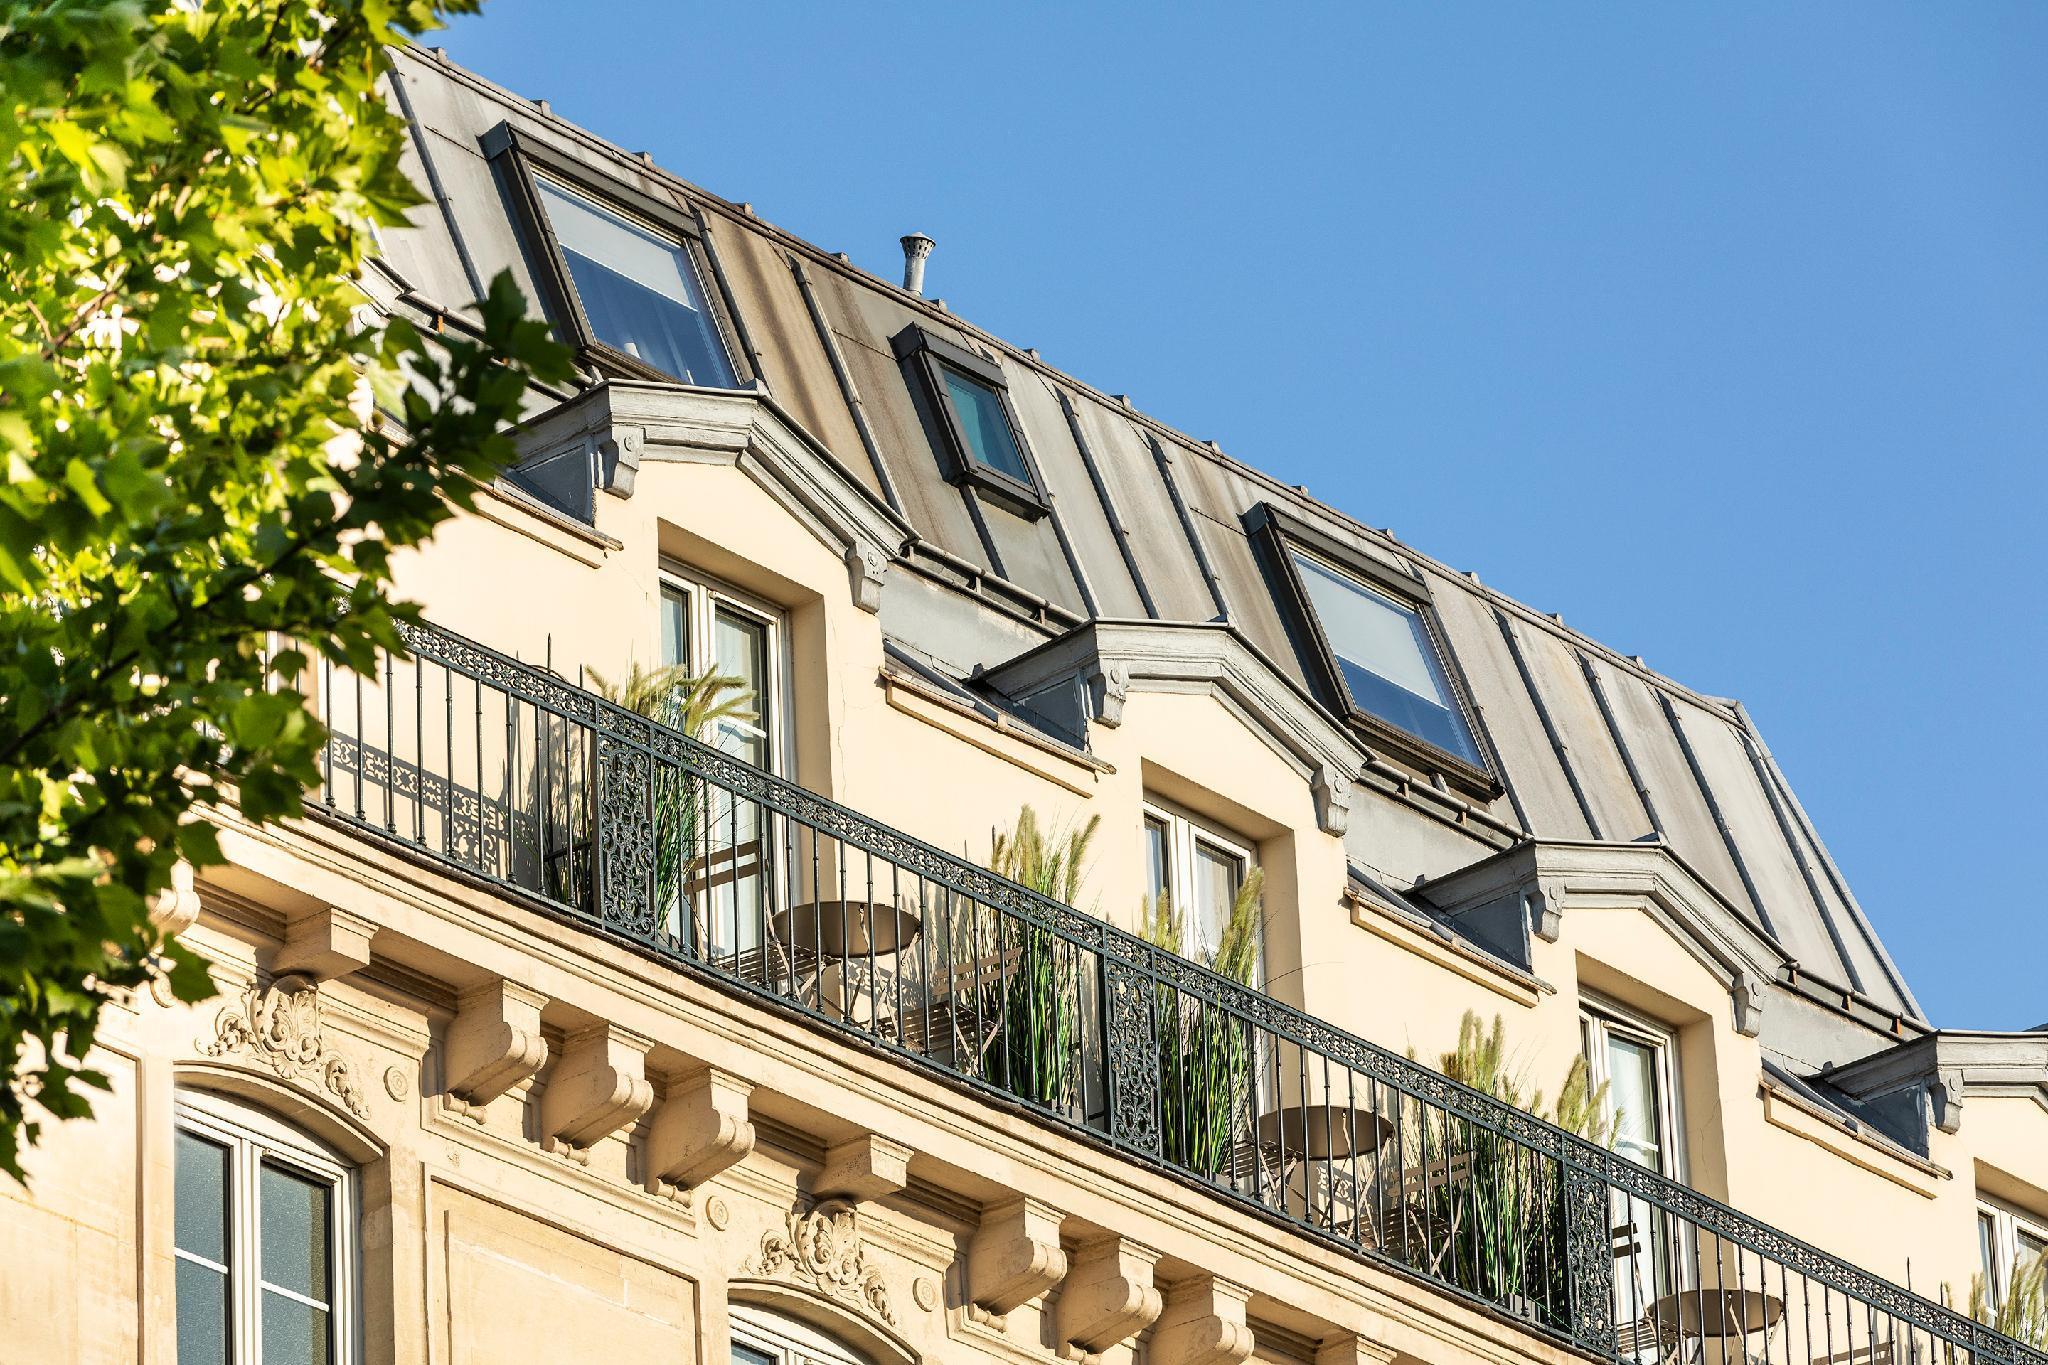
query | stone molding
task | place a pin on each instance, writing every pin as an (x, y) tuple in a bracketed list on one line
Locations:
[(1106, 661), (619, 426)]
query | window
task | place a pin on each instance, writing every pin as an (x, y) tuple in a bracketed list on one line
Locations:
[(1632, 1057), (764, 1338), (980, 441), (1199, 872), (628, 285), (2010, 1243), (1366, 631), (706, 626), (1385, 658), (264, 1231)]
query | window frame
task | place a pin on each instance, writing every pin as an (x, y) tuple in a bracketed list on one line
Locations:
[(707, 593), (1599, 1017), (253, 1138), (2007, 1223), (1184, 833), (1280, 537), (518, 160), (925, 358), (787, 1340)]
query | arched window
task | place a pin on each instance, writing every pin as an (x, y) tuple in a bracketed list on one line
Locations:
[(265, 1237), (760, 1337)]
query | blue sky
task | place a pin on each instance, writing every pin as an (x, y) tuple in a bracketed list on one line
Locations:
[(1721, 329)]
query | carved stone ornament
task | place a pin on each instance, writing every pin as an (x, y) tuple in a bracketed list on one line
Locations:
[(823, 1249), (281, 1026)]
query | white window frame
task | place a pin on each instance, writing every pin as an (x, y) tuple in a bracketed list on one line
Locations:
[(1599, 1019), (706, 595), (787, 1340), (252, 1137), (1183, 833), (2007, 1225)]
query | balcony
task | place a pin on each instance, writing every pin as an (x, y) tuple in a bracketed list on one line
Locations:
[(601, 817)]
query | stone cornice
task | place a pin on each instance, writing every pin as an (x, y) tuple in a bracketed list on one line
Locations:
[(1526, 889), (1108, 660), (1947, 1066), (611, 430)]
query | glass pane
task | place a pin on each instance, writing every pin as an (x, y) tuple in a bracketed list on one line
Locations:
[(1987, 1249), (1385, 656), (294, 1333), (640, 293), (1158, 881), (1217, 877), (202, 1315), (292, 1212), (2032, 1248), (744, 1354), (989, 438), (675, 626), (202, 1198), (1637, 1105), (737, 844)]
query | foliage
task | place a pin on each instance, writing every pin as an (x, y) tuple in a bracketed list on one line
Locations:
[(1205, 1055), (2022, 1311), (686, 701), (195, 469), (1476, 1207), (1033, 1048)]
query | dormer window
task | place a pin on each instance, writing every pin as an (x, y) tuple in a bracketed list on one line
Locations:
[(967, 403), (1368, 636), (638, 292), (628, 277), (1385, 658)]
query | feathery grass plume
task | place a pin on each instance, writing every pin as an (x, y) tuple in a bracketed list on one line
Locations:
[(2022, 1311), (1033, 1048), (1205, 1055), (1482, 1210), (673, 696)]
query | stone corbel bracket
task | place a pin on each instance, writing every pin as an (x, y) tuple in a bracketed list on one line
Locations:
[(325, 945), (700, 1129), (864, 1168), (622, 426), (1107, 1297), (1015, 1257), (493, 1044), (1203, 1323), (1090, 673), (598, 1086)]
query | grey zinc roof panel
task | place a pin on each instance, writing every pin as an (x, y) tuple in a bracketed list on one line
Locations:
[(1687, 824), (1508, 713), (1132, 477), (794, 360), (1602, 775), (1073, 497), (1218, 497)]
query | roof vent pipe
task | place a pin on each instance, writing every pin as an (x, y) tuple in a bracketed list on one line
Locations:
[(916, 247)]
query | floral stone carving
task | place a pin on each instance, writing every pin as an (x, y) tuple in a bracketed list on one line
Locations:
[(281, 1026), (823, 1248)]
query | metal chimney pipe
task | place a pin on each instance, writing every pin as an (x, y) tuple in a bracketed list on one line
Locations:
[(916, 247)]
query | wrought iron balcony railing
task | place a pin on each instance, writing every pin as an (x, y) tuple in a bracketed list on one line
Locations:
[(729, 872)]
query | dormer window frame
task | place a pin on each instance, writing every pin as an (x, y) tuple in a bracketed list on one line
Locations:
[(926, 358), (521, 161), (1281, 537)]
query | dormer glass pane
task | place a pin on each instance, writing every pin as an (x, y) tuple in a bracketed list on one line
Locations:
[(640, 293), (1384, 654), (986, 426)]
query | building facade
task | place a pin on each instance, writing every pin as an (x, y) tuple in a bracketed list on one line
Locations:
[(573, 1026)]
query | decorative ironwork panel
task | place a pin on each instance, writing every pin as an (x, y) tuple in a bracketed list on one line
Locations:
[(1589, 1259), (1131, 1053), (625, 837)]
